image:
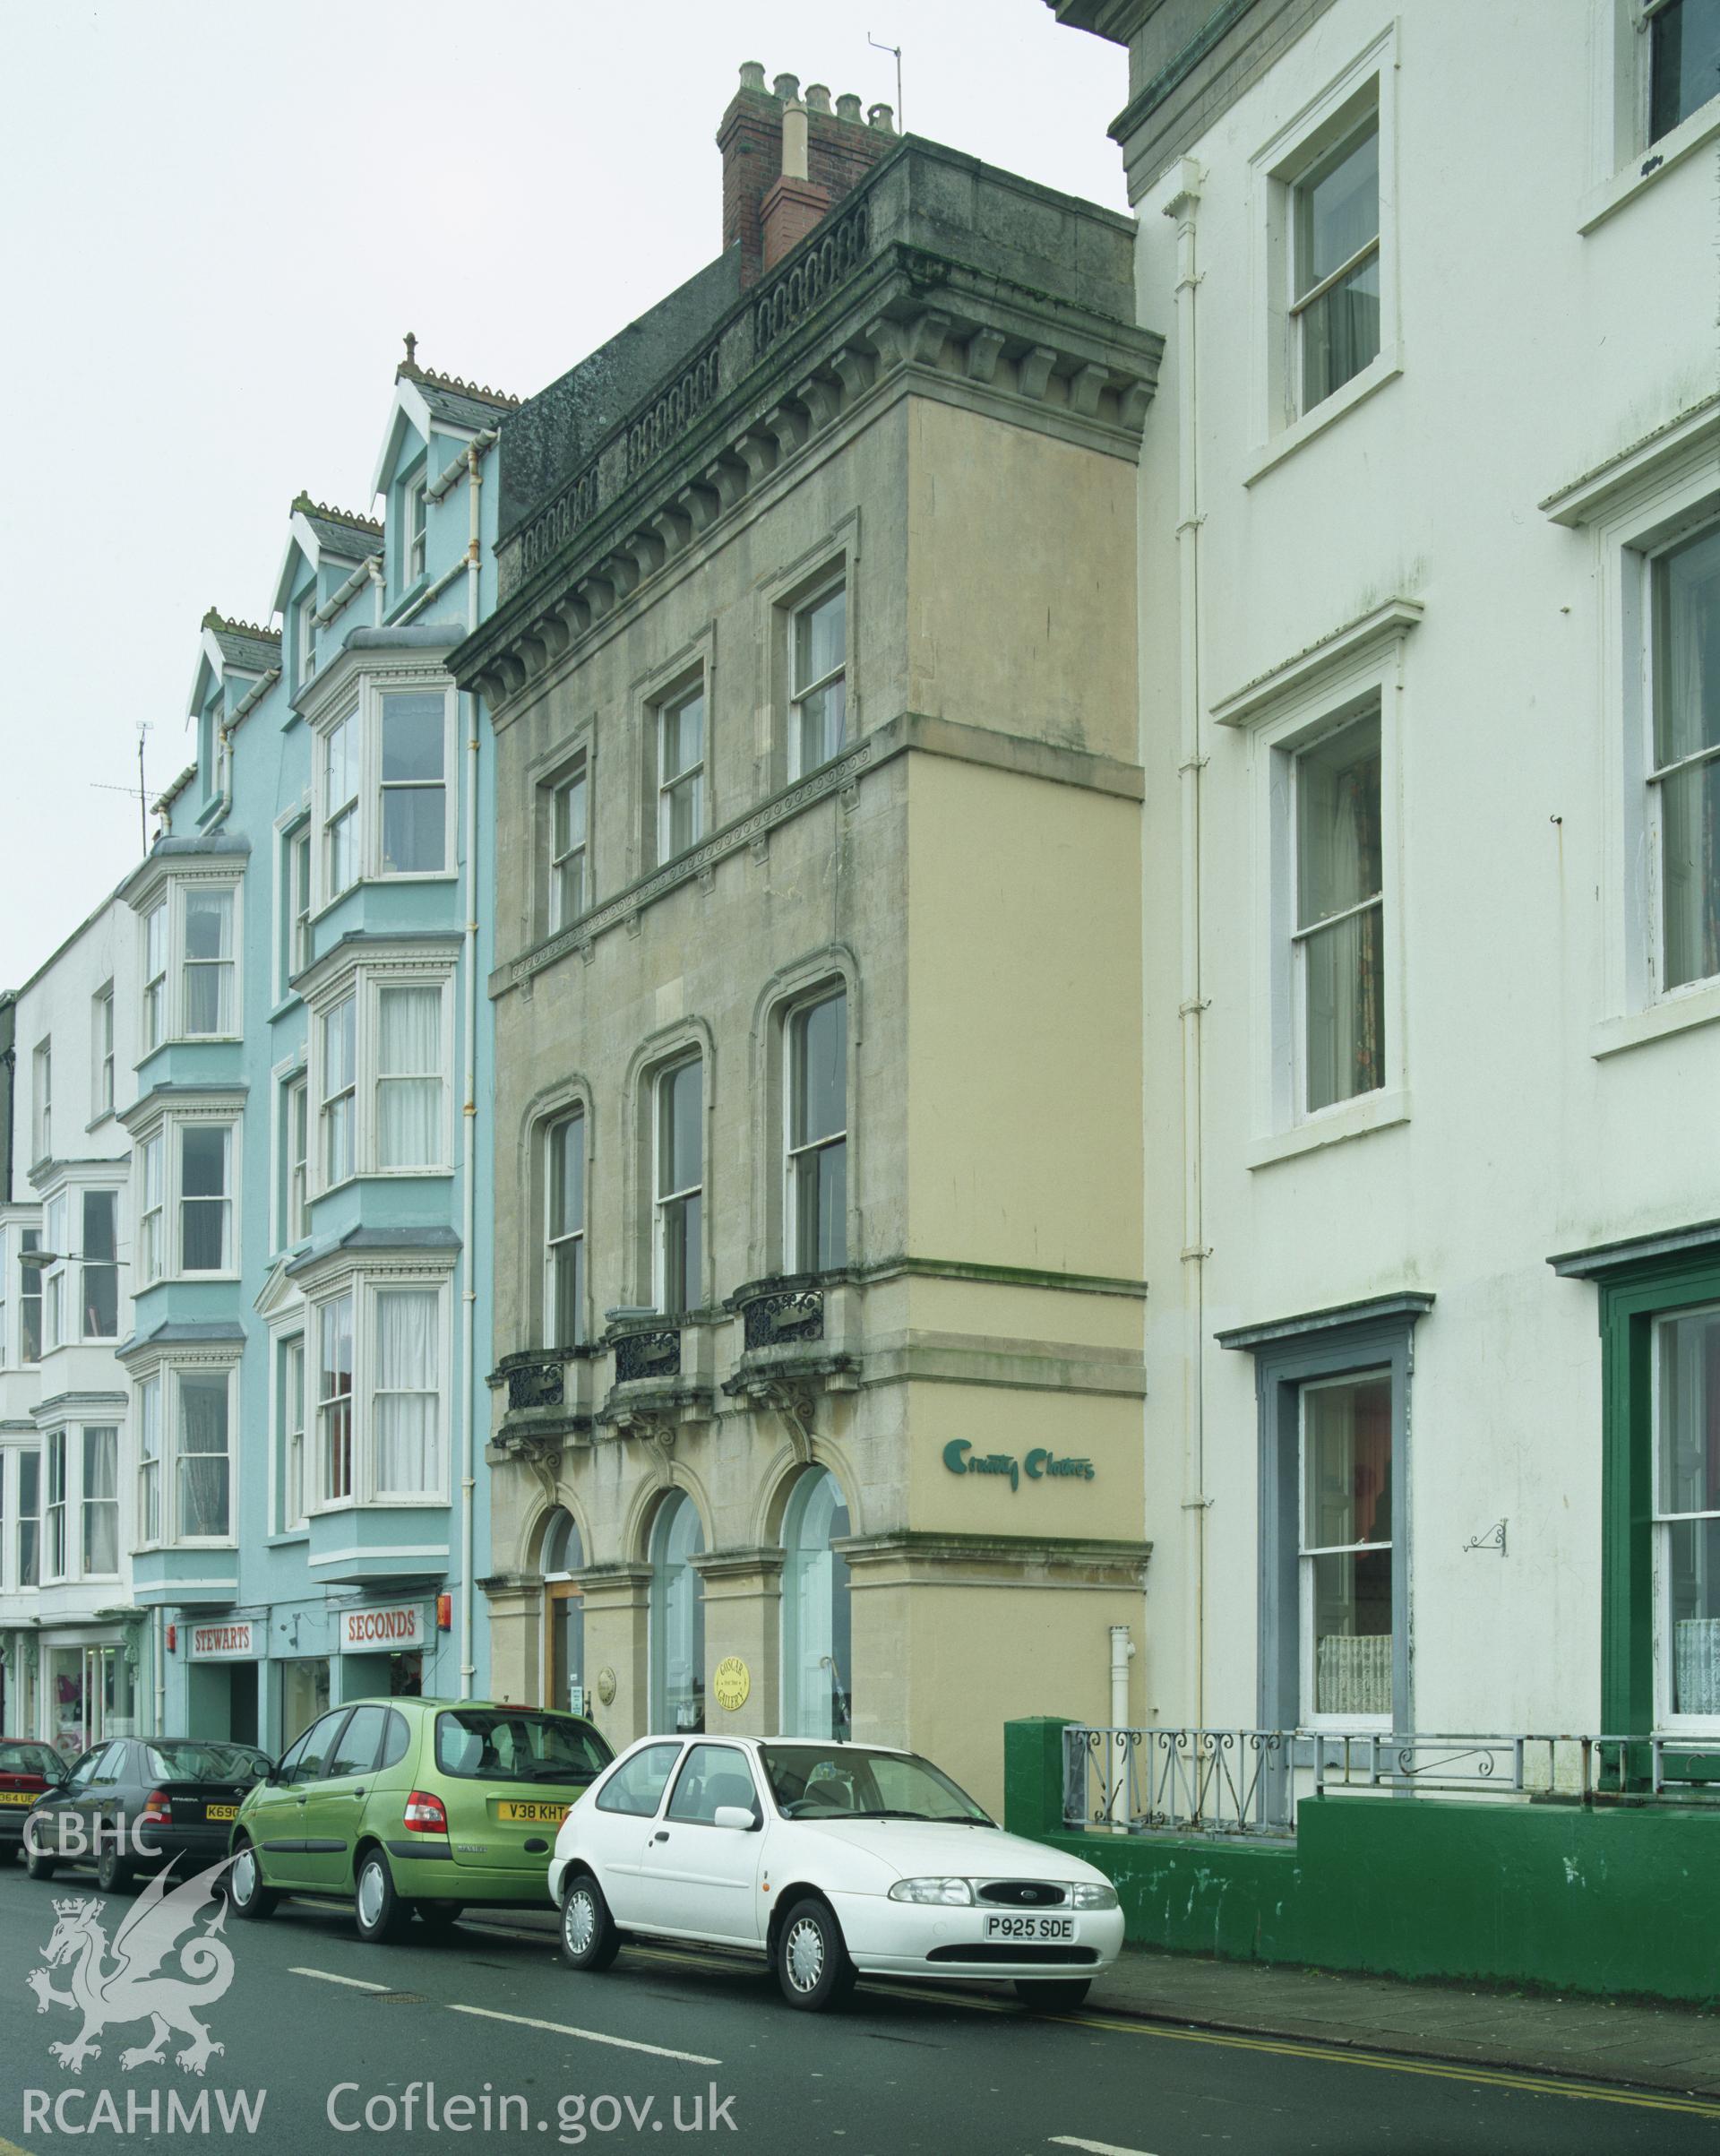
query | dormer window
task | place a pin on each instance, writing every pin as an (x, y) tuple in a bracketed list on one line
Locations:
[(415, 502), (381, 806), (305, 635), (189, 956)]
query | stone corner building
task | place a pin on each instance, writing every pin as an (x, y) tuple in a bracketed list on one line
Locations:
[(819, 1096)]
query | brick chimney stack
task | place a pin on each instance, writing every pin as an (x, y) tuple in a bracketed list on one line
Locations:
[(787, 159)]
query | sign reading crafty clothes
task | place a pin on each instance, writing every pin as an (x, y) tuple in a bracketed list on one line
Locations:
[(222, 1643), (1041, 1465), (387, 1631)]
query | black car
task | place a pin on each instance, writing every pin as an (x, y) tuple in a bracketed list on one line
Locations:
[(27, 1771), (134, 1803)]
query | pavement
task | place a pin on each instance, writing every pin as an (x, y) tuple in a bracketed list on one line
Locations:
[(1653, 2046)]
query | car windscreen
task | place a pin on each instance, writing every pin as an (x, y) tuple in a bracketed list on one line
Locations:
[(182, 1761), (813, 1782), (31, 1759), (509, 1744)]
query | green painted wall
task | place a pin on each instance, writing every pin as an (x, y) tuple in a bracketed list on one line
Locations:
[(1581, 1899)]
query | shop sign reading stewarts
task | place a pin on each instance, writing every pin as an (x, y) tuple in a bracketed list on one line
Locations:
[(223, 1643), (397, 1628)]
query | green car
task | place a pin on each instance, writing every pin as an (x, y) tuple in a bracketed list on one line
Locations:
[(413, 1807)]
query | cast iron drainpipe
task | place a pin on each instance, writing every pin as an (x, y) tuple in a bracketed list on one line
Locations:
[(469, 1311)]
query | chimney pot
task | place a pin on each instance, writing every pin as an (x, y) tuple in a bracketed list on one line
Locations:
[(786, 88), (881, 118), (752, 74), (793, 141), (847, 108), (818, 97)]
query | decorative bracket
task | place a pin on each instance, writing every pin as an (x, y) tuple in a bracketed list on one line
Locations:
[(1494, 1538)]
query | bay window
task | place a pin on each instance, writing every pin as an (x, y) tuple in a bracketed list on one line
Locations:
[(405, 1404), (410, 1086), (334, 1401), (679, 1184), (151, 1250), (206, 1197), (29, 1524), (815, 1201), (818, 687), (297, 927), (203, 1457), (30, 1297), (6, 1306), (680, 774), (210, 1005), (53, 1505), (149, 1461), (565, 1232), (339, 1086), (100, 1519), (54, 1223), (414, 794), (1684, 756), (155, 975), (101, 1254), (341, 806), (1338, 936)]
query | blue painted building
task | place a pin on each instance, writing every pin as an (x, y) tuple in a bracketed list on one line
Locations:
[(311, 1193)]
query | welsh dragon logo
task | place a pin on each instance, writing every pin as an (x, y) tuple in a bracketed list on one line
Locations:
[(135, 1987)]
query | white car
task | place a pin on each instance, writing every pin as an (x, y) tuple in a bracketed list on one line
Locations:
[(832, 1860)]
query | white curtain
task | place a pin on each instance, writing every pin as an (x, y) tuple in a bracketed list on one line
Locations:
[(1353, 1674), (202, 1456), (409, 1091), (100, 1500), (409, 1413)]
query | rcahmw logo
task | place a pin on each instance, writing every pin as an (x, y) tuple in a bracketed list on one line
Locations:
[(126, 1982)]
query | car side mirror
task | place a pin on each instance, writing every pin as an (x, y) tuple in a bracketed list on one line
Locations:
[(736, 1818), (272, 1774)]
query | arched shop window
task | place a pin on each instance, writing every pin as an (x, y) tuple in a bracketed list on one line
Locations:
[(563, 1615), (677, 1616), (817, 1669)]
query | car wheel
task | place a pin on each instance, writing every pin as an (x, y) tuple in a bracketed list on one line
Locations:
[(590, 1940), (1053, 1995), (380, 1913), (438, 1916), (246, 1894), (812, 1965), (37, 1864), (114, 1875)]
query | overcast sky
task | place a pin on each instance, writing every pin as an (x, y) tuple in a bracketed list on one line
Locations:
[(221, 216)]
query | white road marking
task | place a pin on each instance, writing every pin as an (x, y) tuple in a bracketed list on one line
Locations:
[(327, 1976), (1095, 2148), (591, 2036)]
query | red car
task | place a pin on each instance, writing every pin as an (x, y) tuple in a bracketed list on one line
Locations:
[(27, 1770)]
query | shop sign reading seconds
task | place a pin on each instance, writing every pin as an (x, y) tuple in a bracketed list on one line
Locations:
[(390, 1631), (960, 1458)]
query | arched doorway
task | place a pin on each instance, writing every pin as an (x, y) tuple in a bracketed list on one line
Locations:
[(817, 1671), (677, 1616), (564, 1614)]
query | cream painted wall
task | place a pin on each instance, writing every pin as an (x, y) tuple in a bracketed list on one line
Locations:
[(1024, 1127), (1531, 352)]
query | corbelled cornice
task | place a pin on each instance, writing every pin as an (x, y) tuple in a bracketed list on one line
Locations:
[(894, 293)]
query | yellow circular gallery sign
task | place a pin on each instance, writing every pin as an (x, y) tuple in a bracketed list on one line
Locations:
[(731, 1681)]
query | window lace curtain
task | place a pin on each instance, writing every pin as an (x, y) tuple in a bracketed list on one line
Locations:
[(407, 1410), (101, 1501), (1353, 1674), (202, 1458), (408, 1092)]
